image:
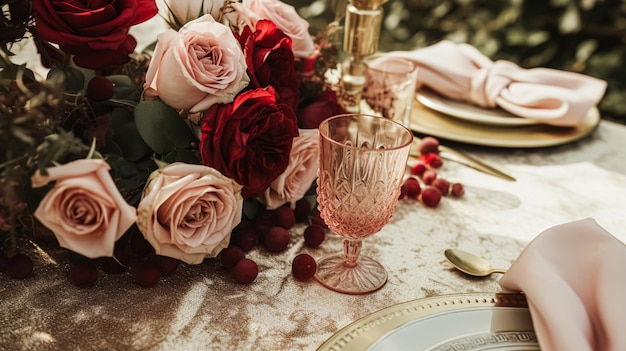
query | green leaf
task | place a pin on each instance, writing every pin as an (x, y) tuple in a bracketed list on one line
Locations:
[(71, 78), (124, 88), (134, 148), (161, 127), (182, 155), (250, 208)]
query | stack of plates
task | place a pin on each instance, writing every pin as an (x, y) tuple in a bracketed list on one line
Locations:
[(453, 120)]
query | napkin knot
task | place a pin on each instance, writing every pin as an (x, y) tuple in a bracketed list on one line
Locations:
[(461, 72), (487, 83)]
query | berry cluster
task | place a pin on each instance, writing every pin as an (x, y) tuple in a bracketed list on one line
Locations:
[(425, 184), (132, 254), (271, 231)]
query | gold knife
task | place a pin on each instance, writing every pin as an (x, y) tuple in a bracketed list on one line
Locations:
[(464, 159)]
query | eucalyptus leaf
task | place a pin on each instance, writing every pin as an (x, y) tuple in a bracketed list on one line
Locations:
[(124, 87), (130, 142), (71, 78), (161, 127)]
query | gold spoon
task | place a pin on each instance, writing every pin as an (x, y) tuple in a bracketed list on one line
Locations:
[(470, 263)]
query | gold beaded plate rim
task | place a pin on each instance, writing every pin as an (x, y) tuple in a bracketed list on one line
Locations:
[(361, 334)]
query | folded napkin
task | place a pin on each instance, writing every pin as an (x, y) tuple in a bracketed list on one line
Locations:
[(574, 279), (461, 72)]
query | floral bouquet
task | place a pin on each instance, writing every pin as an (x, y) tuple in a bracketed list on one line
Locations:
[(168, 151)]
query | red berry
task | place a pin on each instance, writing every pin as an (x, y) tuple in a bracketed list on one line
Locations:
[(146, 275), (429, 176), (317, 219), (167, 265), (284, 217), (115, 265), (418, 169), (139, 244), (433, 160), (431, 196), (246, 238), (230, 256), (442, 185), (457, 190), (428, 145), (403, 192), (245, 271), (4, 259), (314, 235), (413, 188), (19, 266), (100, 88), (303, 209), (84, 274), (276, 239), (261, 226), (303, 267)]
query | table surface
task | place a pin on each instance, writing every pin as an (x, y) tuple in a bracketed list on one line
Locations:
[(202, 308)]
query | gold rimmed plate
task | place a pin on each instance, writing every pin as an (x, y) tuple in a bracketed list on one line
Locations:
[(430, 122), (476, 321)]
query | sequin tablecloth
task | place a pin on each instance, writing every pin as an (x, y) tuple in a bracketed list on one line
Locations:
[(202, 308)]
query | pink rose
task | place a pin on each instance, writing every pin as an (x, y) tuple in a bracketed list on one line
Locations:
[(184, 11), (200, 65), (286, 19), (293, 184), (84, 209), (188, 211)]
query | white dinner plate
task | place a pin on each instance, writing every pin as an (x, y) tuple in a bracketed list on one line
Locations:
[(470, 113), (426, 121), (451, 322)]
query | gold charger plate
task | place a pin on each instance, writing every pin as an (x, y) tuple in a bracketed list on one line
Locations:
[(428, 122), (476, 321)]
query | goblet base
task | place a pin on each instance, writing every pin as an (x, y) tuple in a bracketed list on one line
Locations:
[(367, 276)]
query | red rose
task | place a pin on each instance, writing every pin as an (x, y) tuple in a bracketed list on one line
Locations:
[(270, 61), (249, 140), (326, 105), (95, 31)]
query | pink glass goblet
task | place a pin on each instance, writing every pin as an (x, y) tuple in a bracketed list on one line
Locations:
[(362, 164)]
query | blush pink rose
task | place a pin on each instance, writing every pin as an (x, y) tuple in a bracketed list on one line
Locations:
[(284, 16), (293, 184), (84, 209), (189, 211), (200, 65)]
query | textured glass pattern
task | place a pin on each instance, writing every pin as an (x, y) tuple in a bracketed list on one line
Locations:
[(362, 164)]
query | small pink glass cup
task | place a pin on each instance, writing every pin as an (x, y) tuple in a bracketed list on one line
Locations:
[(362, 163), (389, 88)]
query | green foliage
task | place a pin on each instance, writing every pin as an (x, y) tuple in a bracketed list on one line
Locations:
[(162, 127), (581, 36)]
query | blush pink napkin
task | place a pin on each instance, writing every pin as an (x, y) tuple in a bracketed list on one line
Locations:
[(574, 278), (461, 72)]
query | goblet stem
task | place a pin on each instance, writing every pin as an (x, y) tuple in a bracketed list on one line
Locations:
[(351, 250)]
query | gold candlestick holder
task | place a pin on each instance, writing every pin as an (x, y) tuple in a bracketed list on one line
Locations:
[(361, 36)]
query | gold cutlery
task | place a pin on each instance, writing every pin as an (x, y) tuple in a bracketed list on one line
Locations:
[(457, 156), (471, 264)]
